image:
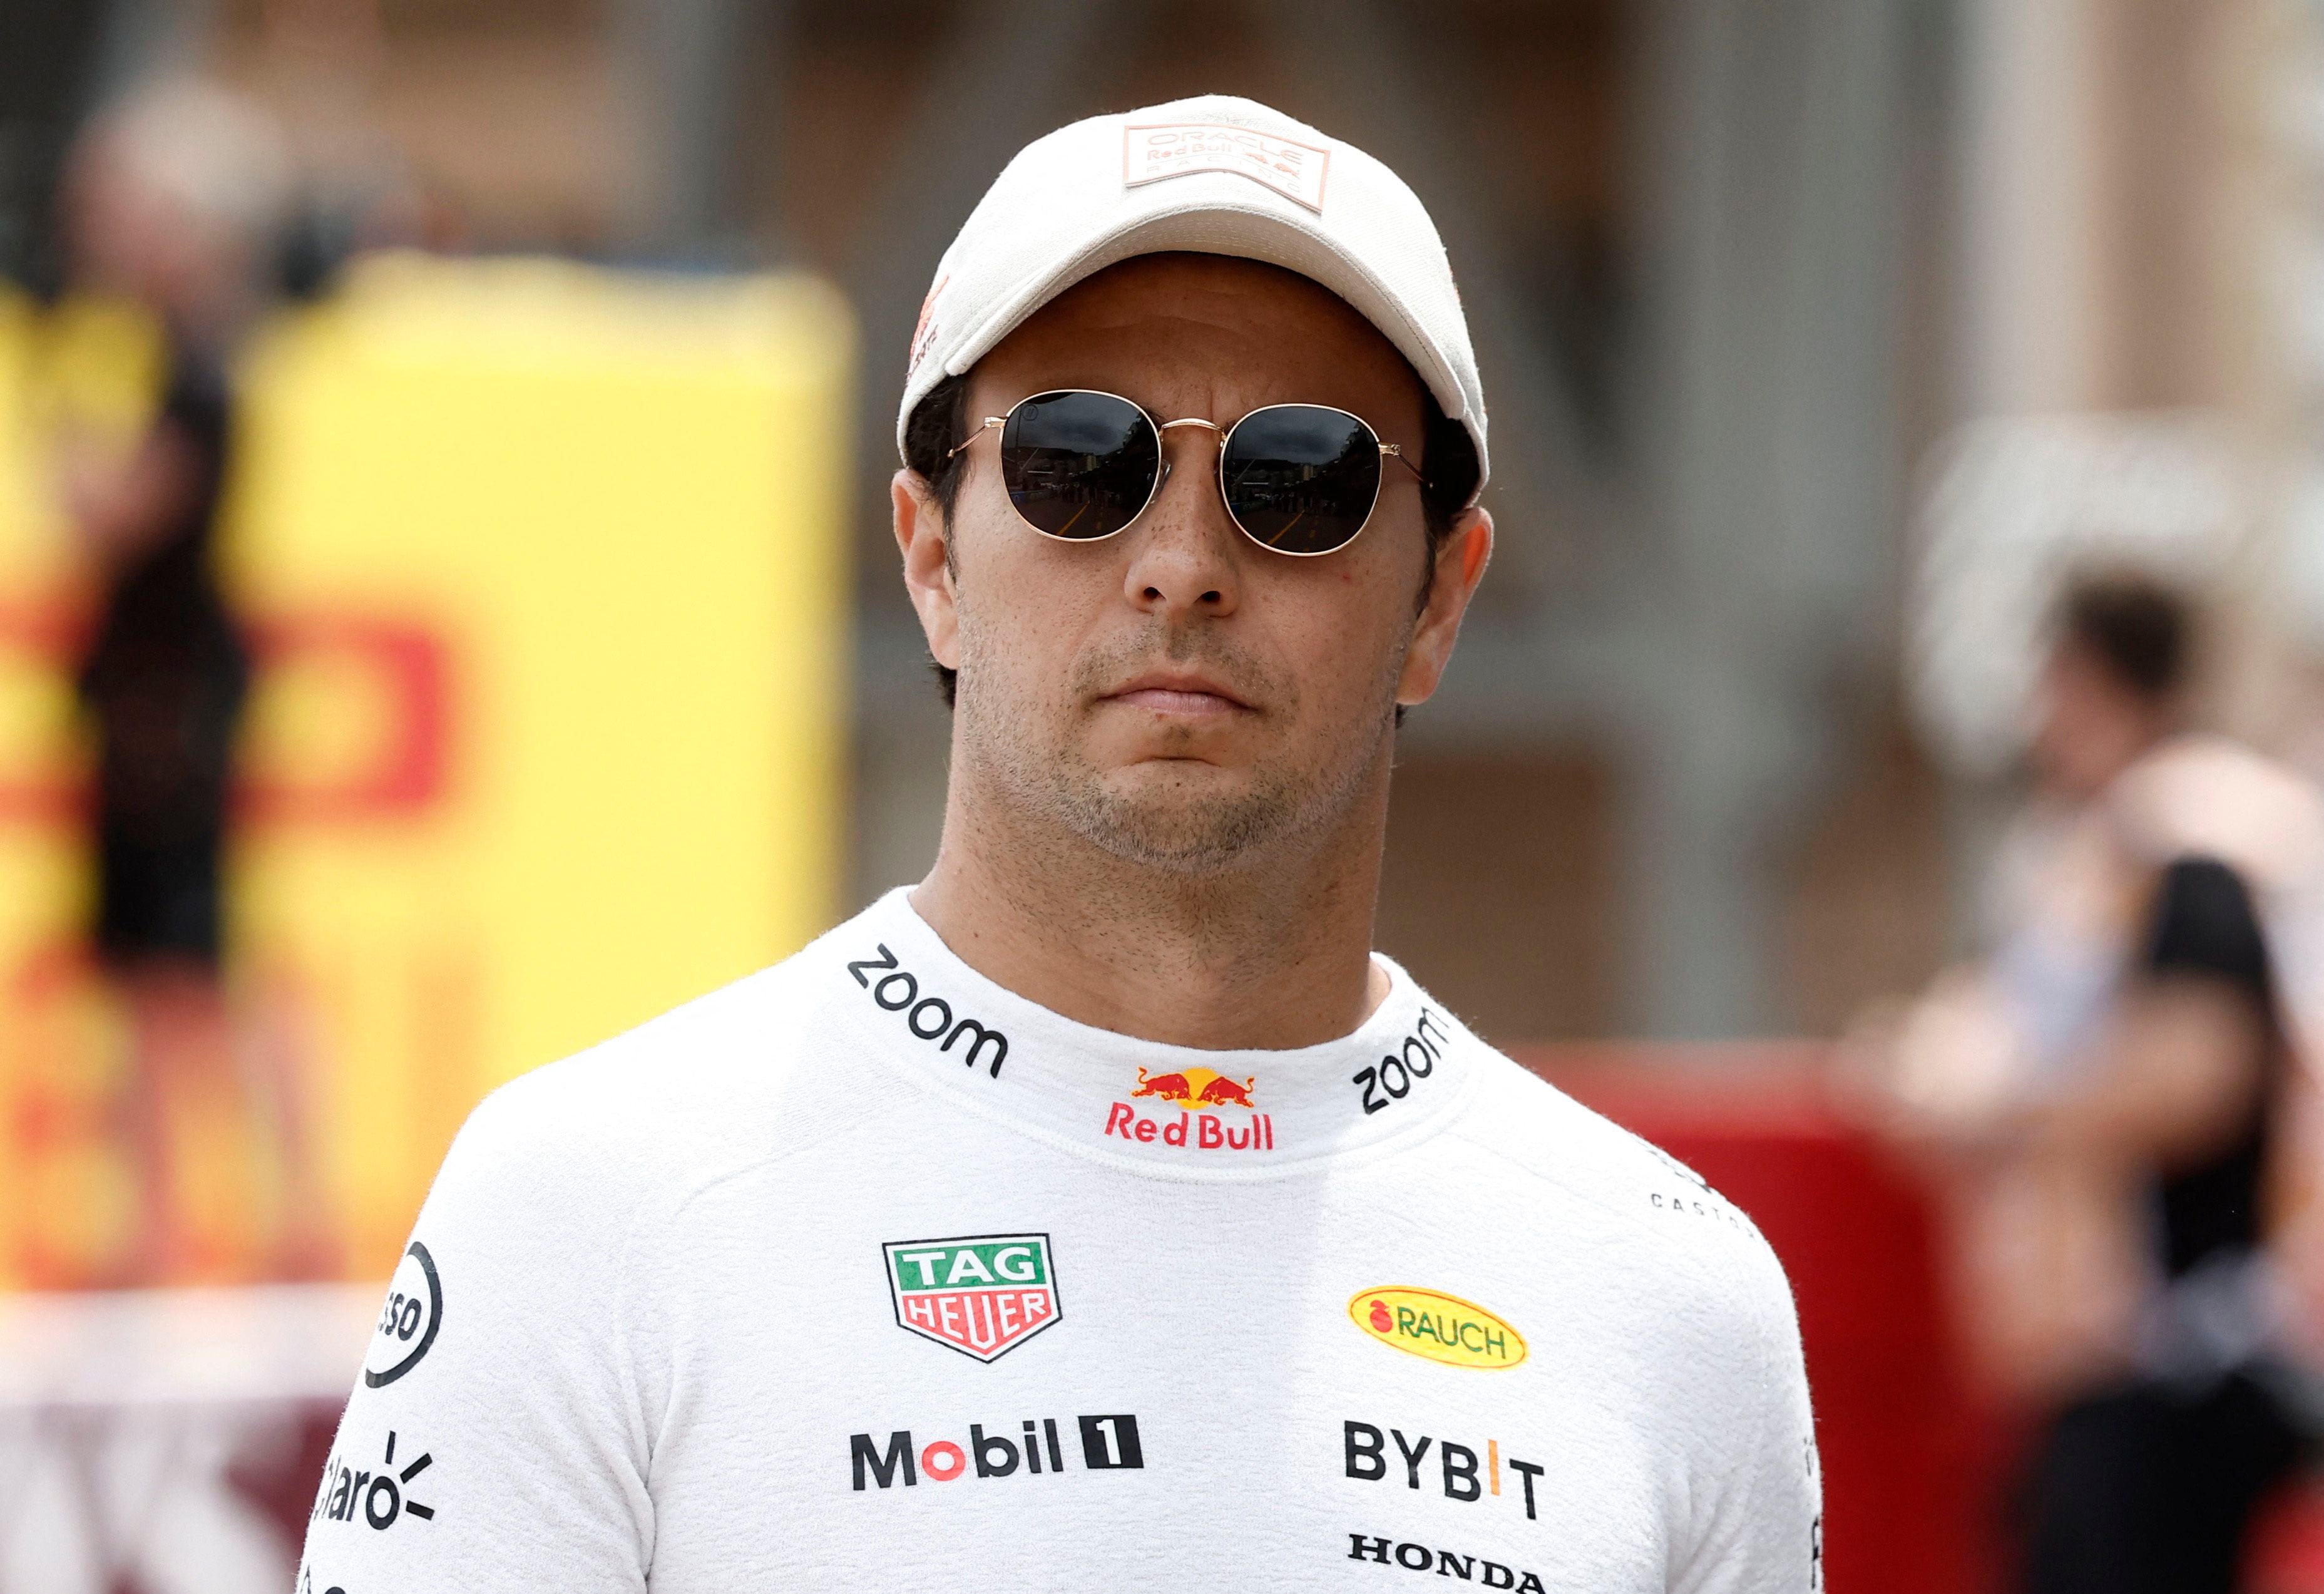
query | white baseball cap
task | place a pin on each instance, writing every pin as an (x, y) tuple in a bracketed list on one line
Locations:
[(1213, 175)]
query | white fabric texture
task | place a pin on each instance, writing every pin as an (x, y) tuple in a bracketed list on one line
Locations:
[(1212, 175), (861, 1272)]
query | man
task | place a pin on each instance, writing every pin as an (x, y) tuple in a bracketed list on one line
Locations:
[(2107, 1100), (1099, 1212), (174, 196)]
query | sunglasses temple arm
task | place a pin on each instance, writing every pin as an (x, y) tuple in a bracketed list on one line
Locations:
[(989, 422), (1389, 451)]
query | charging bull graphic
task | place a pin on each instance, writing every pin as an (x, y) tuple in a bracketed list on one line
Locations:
[(1197, 1086)]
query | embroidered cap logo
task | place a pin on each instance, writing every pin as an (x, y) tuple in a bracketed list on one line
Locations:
[(1297, 170)]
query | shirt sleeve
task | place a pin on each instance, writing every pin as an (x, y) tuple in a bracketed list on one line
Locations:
[(495, 1439), (1763, 1530), (2204, 922)]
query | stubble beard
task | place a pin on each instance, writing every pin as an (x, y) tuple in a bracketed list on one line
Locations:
[(1024, 748)]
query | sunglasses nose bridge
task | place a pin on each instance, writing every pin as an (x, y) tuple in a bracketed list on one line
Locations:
[(1226, 524), (1163, 429)]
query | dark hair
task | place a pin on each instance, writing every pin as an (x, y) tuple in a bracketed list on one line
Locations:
[(1448, 463), (2141, 630)]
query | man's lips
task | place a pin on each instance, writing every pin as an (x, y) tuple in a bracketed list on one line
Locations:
[(1178, 695)]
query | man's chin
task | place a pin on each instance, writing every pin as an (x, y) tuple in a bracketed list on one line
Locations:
[(1182, 815), (1167, 782)]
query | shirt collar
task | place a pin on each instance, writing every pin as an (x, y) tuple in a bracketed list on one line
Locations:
[(1176, 1110)]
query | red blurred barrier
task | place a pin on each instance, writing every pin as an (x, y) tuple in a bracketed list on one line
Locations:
[(2286, 1552)]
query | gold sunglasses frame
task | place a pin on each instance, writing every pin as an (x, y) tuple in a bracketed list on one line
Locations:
[(1162, 474)]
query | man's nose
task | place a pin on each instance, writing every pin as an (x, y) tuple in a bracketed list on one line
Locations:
[(1185, 556)]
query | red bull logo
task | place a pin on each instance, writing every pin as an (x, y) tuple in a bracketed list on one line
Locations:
[(1197, 1086), (1196, 1092), (1225, 1092), (1168, 1087)]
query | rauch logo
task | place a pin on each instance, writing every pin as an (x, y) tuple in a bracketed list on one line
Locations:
[(1439, 1327), (981, 1294)]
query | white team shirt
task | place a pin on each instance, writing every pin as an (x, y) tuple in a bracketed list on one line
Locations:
[(865, 1272)]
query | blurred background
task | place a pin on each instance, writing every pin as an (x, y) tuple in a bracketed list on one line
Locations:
[(447, 614)]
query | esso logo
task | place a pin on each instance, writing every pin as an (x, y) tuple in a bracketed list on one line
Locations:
[(407, 1318)]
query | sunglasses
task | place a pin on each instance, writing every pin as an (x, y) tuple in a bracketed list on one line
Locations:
[(1297, 478)]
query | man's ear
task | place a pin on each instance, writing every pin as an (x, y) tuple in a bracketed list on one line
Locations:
[(1460, 562), (922, 537)]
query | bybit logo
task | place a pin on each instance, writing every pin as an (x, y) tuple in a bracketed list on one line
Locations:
[(1466, 1476)]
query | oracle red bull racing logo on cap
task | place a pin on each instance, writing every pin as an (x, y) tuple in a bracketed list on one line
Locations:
[(1201, 1122), (1153, 152), (983, 1295)]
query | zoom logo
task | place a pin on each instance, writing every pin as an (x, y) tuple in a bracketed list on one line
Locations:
[(928, 1017), (408, 1322), (1392, 1078)]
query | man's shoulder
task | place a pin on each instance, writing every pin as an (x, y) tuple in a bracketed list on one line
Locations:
[(700, 1090), (1670, 1223)]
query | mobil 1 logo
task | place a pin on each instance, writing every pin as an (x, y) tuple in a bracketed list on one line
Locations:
[(408, 1321), (1108, 1443)]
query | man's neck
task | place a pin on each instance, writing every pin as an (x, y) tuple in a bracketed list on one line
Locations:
[(1273, 957)]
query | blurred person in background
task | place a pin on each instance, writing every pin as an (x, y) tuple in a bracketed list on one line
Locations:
[(173, 200), (2105, 1100), (318, 68)]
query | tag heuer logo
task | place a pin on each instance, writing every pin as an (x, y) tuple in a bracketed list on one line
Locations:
[(982, 1295)]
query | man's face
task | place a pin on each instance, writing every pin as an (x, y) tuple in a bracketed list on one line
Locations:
[(2090, 725), (1176, 694)]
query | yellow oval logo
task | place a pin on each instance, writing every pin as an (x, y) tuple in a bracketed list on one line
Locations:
[(1443, 1328)]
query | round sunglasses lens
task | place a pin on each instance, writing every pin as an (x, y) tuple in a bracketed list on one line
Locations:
[(1301, 478), (1079, 465)]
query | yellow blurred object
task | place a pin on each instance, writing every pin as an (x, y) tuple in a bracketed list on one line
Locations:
[(94, 366), (546, 568)]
